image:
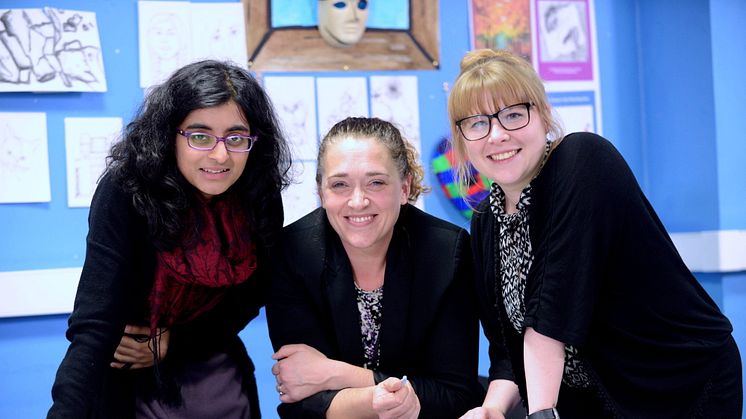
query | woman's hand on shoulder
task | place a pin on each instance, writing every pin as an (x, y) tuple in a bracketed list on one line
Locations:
[(483, 413), (135, 349), (300, 371), (394, 399)]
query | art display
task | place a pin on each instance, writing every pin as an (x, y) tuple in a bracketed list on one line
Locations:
[(564, 41), (395, 99), (50, 50), (301, 197), (576, 110), (444, 168), (504, 24), (24, 158), (283, 35), (294, 99), (87, 143), (340, 97), (175, 33)]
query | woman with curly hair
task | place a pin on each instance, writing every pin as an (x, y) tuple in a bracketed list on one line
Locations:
[(176, 258), (369, 288)]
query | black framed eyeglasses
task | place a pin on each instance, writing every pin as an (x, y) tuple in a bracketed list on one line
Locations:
[(235, 143), (511, 118)]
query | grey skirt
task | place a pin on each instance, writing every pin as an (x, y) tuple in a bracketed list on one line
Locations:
[(209, 389)]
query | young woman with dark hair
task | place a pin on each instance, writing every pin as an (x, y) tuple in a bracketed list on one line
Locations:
[(179, 231)]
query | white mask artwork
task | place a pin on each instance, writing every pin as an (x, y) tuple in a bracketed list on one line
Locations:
[(342, 22)]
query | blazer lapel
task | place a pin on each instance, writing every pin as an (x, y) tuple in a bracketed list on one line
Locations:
[(396, 300), (340, 290)]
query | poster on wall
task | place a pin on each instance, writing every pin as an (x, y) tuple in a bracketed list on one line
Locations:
[(24, 158), (395, 99), (50, 50), (174, 33), (563, 40), (221, 34), (576, 110), (501, 24), (164, 38), (294, 99), (301, 197), (290, 35), (338, 98), (87, 143)]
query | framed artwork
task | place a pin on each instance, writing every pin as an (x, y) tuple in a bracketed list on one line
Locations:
[(564, 40), (295, 48), (503, 24)]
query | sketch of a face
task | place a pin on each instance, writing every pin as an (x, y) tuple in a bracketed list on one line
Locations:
[(563, 33), (342, 22), (164, 35), (223, 40)]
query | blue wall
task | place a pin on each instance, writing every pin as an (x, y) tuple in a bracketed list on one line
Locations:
[(672, 91)]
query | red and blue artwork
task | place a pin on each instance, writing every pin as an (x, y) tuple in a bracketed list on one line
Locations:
[(444, 167)]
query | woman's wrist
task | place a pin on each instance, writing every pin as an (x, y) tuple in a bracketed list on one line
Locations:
[(550, 413), (344, 375)]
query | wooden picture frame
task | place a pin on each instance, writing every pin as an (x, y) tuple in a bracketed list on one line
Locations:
[(303, 49)]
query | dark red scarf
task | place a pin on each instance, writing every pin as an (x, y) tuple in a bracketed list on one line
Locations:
[(192, 279)]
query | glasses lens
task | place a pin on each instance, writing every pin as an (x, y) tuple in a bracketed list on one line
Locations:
[(201, 141), (237, 143), (514, 117), (475, 127)]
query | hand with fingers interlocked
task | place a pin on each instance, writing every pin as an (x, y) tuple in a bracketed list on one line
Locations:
[(135, 349)]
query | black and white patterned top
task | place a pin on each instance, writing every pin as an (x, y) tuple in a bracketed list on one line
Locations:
[(516, 257), (370, 306)]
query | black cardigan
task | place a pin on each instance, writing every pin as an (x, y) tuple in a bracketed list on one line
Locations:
[(607, 279), (113, 291), (429, 328)]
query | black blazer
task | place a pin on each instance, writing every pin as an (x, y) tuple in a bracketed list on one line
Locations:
[(429, 327)]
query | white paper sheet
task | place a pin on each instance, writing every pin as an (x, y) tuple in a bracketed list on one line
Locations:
[(394, 99), (221, 34), (165, 39), (294, 99), (576, 118), (87, 143), (340, 97), (301, 197), (175, 33), (50, 50), (24, 159)]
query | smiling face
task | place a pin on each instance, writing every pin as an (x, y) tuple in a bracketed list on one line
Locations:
[(510, 158), (342, 22), (212, 172), (362, 193)]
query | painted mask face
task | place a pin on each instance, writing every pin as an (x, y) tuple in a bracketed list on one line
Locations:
[(362, 193), (212, 172), (342, 22)]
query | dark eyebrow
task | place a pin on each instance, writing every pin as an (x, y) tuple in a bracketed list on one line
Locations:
[(198, 125), (367, 174)]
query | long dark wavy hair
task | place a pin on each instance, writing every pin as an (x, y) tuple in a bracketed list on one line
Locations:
[(144, 161)]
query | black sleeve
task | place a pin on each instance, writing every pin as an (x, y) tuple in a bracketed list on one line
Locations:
[(293, 317), (447, 386), (481, 243), (101, 304), (587, 190)]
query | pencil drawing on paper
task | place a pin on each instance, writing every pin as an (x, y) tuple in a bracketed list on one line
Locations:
[(50, 49), (167, 47)]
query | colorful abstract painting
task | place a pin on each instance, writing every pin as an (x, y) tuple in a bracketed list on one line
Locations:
[(501, 24), (444, 167)]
